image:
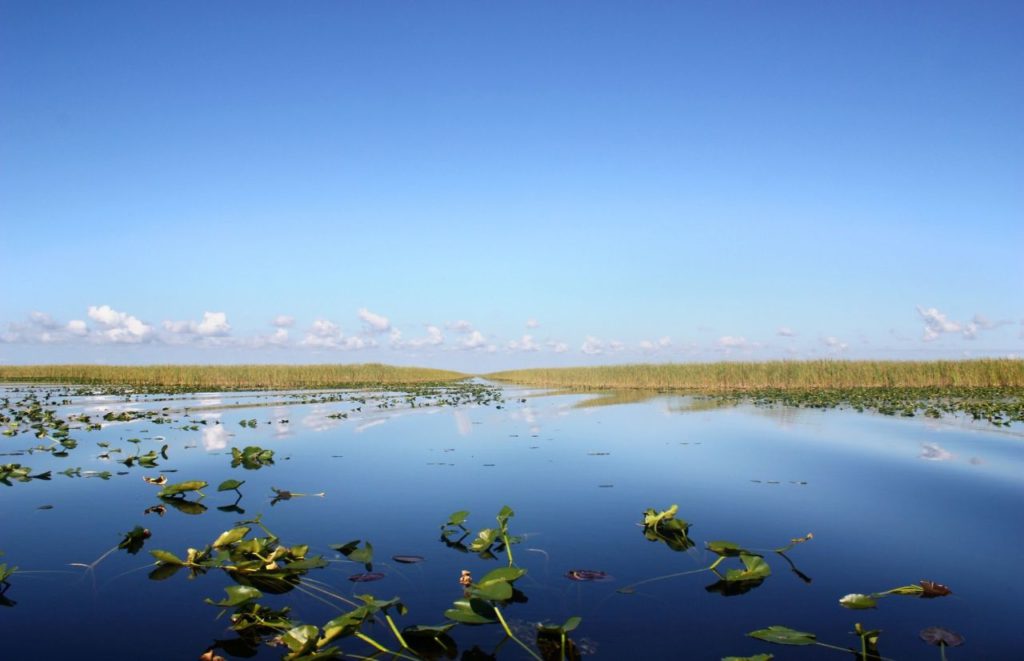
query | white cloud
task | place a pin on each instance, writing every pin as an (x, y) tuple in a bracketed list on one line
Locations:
[(78, 328), (525, 343), (119, 327), (733, 342), (593, 346), (433, 338), (43, 320), (649, 346), (936, 323), (475, 340), (835, 344), (374, 322), (283, 321), (557, 347), (532, 323), (785, 331), (325, 334), (278, 338), (213, 325), (460, 326)]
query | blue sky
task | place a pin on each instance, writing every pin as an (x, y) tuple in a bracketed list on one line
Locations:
[(489, 185)]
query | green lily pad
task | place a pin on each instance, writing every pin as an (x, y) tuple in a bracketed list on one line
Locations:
[(784, 636)]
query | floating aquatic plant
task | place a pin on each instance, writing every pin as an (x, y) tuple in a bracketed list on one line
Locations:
[(942, 638), (924, 590), (251, 457)]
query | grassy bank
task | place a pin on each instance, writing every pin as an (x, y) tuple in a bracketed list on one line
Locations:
[(227, 377), (797, 375)]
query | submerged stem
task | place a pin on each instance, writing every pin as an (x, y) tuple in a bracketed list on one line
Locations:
[(508, 632)]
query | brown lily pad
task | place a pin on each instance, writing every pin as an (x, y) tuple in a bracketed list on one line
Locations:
[(940, 636), (933, 589)]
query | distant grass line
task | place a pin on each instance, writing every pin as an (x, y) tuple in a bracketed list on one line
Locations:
[(228, 377), (816, 374)]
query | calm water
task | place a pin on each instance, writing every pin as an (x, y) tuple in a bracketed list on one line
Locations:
[(890, 501)]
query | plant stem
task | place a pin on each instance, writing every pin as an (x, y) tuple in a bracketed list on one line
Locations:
[(373, 643), (395, 631), (659, 578), (508, 632)]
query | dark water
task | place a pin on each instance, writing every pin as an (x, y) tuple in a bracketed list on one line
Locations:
[(890, 501)]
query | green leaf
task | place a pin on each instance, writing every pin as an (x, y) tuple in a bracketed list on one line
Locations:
[(484, 539), (726, 549), (352, 551), (571, 623), (237, 595), (858, 601), (230, 485), (300, 639), (471, 611), (181, 487), (783, 636), (756, 657), (507, 574), (494, 591), (229, 537), (755, 568), (457, 518), (166, 557)]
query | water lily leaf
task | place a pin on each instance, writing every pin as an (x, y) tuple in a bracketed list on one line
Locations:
[(368, 577), (755, 568), (134, 539), (301, 639), (407, 559), (504, 574), (858, 601), (166, 557), (471, 611), (756, 657), (230, 485), (237, 595), (940, 636), (484, 539), (352, 551), (932, 589), (229, 537), (783, 636), (181, 488), (726, 549), (457, 518), (571, 623), (494, 591)]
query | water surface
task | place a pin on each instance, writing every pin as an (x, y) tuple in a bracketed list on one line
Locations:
[(889, 501)]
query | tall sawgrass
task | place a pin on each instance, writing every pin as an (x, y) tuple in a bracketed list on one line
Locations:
[(227, 377), (811, 374)]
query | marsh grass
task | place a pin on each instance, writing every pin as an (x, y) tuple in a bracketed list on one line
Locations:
[(228, 377), (800, 375)]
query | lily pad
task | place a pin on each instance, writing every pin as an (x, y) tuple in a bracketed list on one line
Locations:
[(784, 636), (940, 636)]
